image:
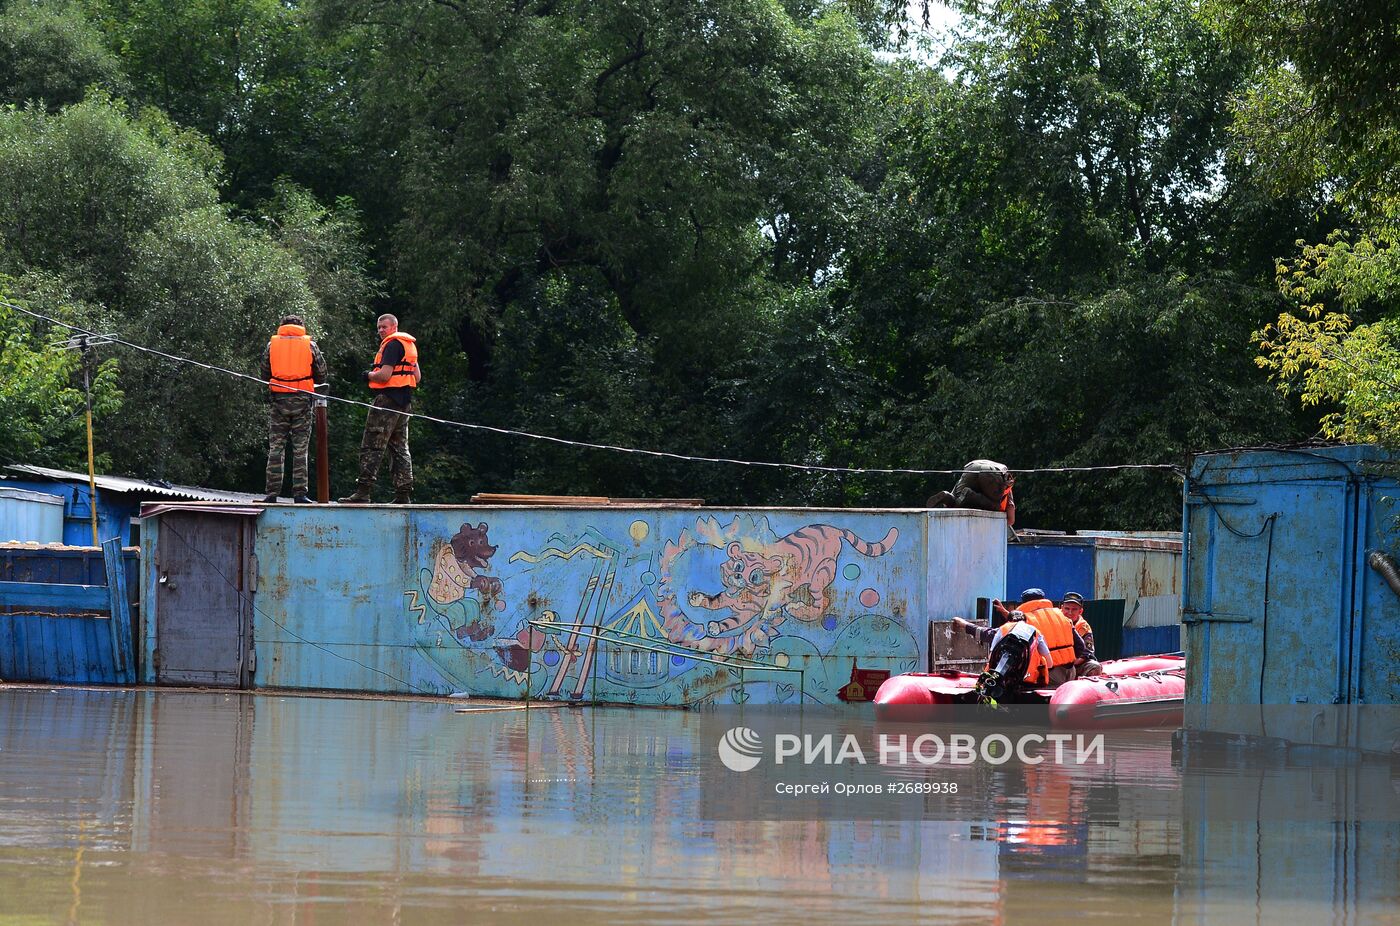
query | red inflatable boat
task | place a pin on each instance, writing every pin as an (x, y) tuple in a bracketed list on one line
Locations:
[(1143, 691)]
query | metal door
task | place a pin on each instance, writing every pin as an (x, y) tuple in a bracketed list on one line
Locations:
[(204, 600), (1264, 608)]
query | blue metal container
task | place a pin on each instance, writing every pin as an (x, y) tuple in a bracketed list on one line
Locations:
[(1055, 566), (114, 512), (30, 517), (1141, 569), (1279, 604)]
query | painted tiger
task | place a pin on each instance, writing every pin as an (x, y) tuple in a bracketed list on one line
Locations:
[(793, 574)]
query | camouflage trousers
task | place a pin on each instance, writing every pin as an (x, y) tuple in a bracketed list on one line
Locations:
[(384, 429), (289, 422)]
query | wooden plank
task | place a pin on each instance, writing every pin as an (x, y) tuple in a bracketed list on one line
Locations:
[(47, 596), (54, 645), (496, 498), (118, 606), (80, 639), (7, 650), (500, 498), (103, 664), (83, 656)]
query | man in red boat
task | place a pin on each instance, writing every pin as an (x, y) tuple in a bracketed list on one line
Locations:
[(1065, 647), (1073, 609), (1018, 657)]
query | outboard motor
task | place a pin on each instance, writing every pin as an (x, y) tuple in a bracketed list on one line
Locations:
[(1007, 664)]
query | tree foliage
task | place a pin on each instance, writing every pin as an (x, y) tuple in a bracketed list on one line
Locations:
[(780, 230), (51, 53), (1322, 116), (124, 212), (41, 390)]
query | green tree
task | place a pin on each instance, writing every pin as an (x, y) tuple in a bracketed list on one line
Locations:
[(1063, 266), (125, 213), (1322, 117), (1349, 371), (248, 75), (51, 53), (41, 395), (538, 161)]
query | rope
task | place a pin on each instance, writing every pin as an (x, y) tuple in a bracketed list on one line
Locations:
[(589, 445)]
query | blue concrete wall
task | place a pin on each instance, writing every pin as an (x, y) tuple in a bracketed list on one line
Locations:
[(437, 599), (1279, 605)]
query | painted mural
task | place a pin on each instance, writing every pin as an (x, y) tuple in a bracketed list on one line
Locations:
[(764, 578), (712, 611)]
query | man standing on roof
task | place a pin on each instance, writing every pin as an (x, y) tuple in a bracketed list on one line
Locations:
[(392, 379), (291, 364), (985, 485)]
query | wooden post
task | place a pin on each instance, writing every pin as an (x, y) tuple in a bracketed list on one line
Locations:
[(323, 462)]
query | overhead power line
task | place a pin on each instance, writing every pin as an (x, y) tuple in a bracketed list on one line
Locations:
[(587, 445)]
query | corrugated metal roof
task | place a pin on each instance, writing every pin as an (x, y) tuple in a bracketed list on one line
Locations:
[(137, 487)]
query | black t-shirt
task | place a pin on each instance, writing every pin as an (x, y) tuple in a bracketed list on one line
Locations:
[(401, 396)]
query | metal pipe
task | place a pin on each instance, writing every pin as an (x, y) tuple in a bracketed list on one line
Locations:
[(1385, 565), (729, 660)]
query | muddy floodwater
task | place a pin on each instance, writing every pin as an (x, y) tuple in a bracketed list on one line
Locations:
[(147, 807)]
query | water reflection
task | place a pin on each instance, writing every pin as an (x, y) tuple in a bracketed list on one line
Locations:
[(168, 807)]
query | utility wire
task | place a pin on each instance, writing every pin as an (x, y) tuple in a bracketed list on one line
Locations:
[(530, 435)]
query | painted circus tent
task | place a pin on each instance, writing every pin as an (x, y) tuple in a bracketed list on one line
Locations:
[(628, 605)]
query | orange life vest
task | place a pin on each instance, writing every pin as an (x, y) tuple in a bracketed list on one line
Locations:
[(290, 355), (403, 374), (1042, 614), (1037, 672), (1082, 628), (1005, 498)]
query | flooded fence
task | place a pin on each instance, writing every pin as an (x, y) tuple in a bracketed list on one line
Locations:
[(65, 614), (610, 604), (1284, 603)]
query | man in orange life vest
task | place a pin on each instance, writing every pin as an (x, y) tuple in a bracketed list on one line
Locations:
[(292, 365), (392, 379), (1073, 608), (1038, 661), (1063, 647)]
